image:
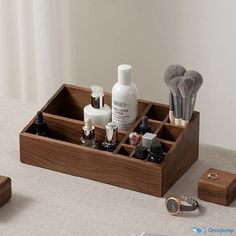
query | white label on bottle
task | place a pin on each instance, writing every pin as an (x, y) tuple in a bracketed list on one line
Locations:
[(123, 114)]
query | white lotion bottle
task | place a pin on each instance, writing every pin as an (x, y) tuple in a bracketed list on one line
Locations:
[(98, 112), (124, 99)]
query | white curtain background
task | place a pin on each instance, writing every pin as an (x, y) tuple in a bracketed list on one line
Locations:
[(44, 43), (35, 48)]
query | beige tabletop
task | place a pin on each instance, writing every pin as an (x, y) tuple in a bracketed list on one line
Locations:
[(50, 203)]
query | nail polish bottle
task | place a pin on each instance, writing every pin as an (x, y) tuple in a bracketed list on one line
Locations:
[(40, 126), (156, 153), (134, 138), (88, 134), (110, 142), (144, 127), (148, 139)]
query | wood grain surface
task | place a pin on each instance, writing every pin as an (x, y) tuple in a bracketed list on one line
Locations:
[(5, 189), (221, 191), (63, 152)]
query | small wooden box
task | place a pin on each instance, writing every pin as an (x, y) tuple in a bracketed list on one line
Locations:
[(5, 189), (221, 191), (62, 150)]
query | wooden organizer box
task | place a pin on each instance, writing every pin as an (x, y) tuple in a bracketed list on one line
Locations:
[(63, 152)]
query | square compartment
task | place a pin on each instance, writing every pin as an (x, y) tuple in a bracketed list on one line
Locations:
[(166, 147), (126, 150), (158, 112), (155, 125), (169, 133)]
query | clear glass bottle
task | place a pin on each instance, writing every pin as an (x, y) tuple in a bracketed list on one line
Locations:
[(110, 142), (40, 125), (88, 134)]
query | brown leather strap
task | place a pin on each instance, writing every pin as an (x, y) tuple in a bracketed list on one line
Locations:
[(193, 204)]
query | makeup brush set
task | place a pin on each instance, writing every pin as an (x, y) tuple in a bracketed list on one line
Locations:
[(183, 86)]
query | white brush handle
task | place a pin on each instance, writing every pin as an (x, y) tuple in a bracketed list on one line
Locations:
[(178, 121), (184, 123), (171, 117)]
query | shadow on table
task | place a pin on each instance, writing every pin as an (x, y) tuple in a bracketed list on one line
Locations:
[(16, 205), (233, 204), (192, 214)]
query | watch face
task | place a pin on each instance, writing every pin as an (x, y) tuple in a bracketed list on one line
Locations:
[(173, 206)]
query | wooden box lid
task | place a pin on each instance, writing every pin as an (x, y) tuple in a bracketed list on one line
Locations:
[(217, 186), (5, 189)]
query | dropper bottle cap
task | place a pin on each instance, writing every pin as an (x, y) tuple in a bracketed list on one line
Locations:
[(97, 97), (39, 118), (156, 149), (40, 125), (88, 130), (111, 136), (144, 127), (156, 152), (111, 129)]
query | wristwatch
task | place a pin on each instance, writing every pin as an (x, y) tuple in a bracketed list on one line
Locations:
[(174, 204)]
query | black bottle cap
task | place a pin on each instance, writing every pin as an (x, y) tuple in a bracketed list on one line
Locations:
[(156, 153), (156, 148), (141, 152), (144, 127), (39, 118), (40, 125)]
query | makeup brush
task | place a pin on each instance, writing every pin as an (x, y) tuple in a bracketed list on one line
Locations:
[(186, 89), (173, 86), (198, 80), (171, 72)]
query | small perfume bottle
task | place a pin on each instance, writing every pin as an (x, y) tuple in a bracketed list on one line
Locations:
[(156, 153), (110, 142), (88, 134), (40, 126), (144, 127)]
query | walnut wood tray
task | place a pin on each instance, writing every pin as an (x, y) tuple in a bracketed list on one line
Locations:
[(62, 150)]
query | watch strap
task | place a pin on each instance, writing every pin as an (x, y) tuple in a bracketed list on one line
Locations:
[(193, 204)]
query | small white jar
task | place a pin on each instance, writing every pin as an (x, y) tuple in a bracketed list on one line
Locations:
[(98, 112)]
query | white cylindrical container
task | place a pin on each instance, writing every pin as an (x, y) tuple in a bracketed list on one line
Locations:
[(98, 112), (124, 99)]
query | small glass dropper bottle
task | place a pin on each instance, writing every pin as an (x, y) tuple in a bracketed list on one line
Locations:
[(88, 134), (144, 127), (40, 125)]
